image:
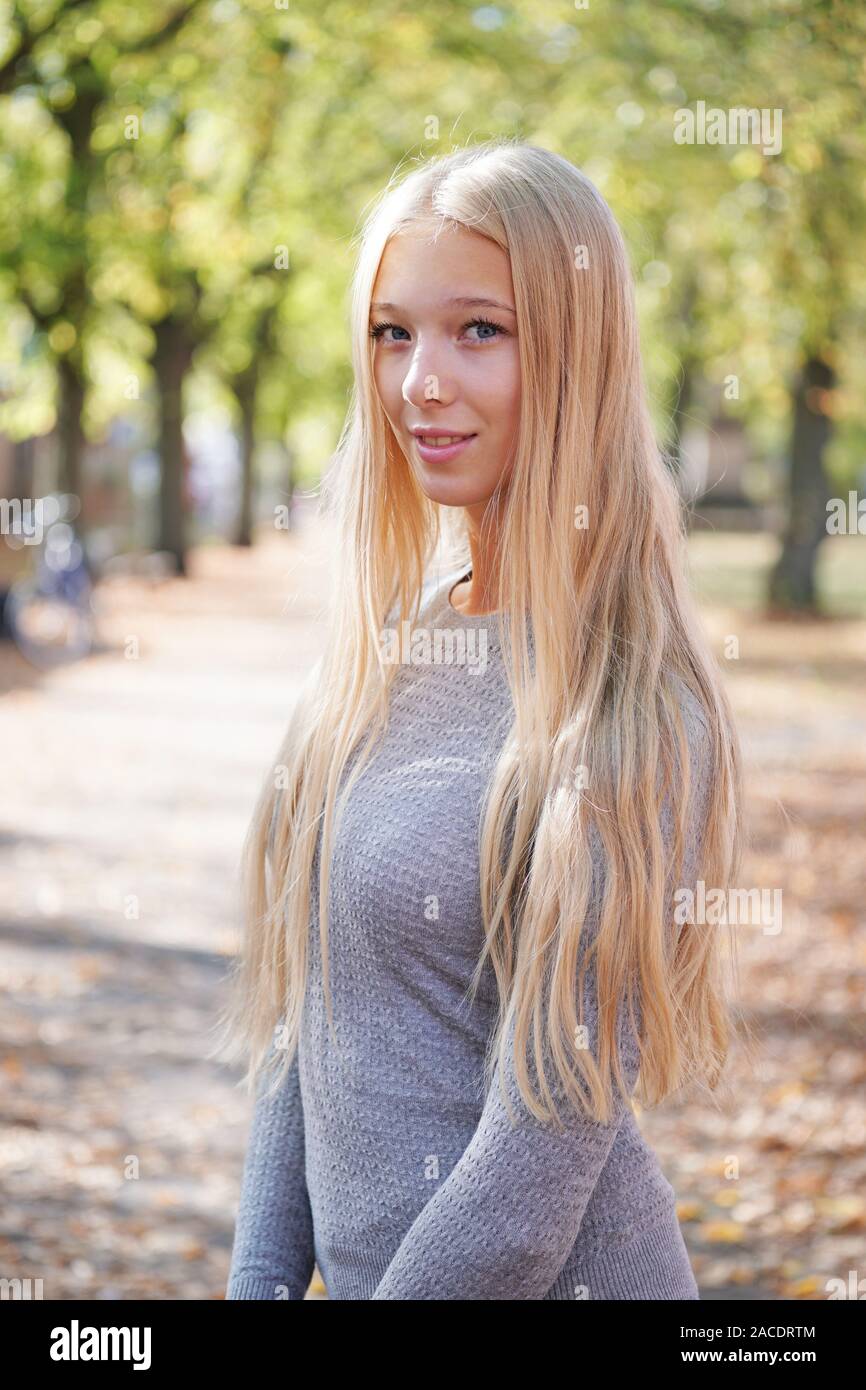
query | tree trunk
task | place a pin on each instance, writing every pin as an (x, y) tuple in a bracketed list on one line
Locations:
[(70, 433), (291, 479), (245, 394), (172, 361), (23, 472), (792, 581)]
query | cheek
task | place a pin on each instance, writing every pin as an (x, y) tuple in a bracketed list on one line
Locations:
[(388, 375), (503, 390)]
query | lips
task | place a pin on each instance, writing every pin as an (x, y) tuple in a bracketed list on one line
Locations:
[(439, 434), (441, 447)]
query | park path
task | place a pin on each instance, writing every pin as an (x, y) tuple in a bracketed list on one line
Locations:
[(129, 785)]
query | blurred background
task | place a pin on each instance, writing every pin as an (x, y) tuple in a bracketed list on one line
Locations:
[(180, 184)]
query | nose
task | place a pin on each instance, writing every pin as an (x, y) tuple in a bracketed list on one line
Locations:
[(427, 379)]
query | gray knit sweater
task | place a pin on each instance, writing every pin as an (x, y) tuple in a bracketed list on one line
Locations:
[(382, 1161)]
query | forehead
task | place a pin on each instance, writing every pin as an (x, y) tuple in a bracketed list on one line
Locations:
[(426, 266)]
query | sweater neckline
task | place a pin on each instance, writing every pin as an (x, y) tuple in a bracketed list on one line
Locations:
[(440, 607), (448, 588)]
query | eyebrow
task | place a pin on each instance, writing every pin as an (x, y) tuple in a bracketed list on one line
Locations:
[(460, 302)]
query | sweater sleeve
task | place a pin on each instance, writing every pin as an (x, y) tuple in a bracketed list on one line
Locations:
[(273, 1254), (503, 1223)]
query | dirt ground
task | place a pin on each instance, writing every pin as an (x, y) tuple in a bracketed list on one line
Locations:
[(130, 781)]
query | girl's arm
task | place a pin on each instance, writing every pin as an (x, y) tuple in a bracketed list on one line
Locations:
[(503, 1223), (273, 1254)]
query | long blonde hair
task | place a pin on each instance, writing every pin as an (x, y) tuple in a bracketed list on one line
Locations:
[(616, 642)]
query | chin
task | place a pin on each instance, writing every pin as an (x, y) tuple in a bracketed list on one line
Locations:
[(453, 492)]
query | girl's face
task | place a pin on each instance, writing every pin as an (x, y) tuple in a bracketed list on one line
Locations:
[(446, 361)]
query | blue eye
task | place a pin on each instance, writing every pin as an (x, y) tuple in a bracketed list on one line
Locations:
[(490, 331), (378, 329), (485, 323)]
